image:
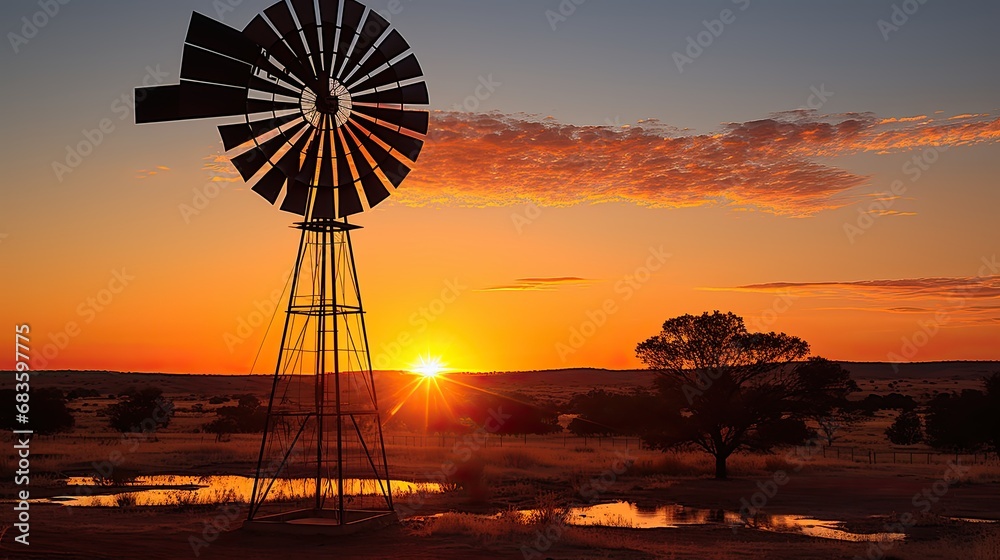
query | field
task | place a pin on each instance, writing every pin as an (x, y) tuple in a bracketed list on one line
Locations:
[(542, 475)]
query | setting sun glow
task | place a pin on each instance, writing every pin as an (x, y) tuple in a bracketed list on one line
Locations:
[(429, 367)]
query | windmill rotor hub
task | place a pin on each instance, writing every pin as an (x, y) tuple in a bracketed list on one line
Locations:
[(333, 107)]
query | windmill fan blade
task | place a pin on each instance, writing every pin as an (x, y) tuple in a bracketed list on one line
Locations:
[(393, 45), (270, 185), (389, 49), (187, 101), (323, 205), (395, 171), (416, 121), (206, 66), (405, 69), (375, 60), (305, 12), (291, 162), (375, 189), (281, 16), (327, 162), (413, 94), (261, 33), (215, 36), (369, 34), (296, 198), (345, 177), (329, 11), (260, 84), (401, 143), (349, 26), (252, 161), (234, 135), (267, 106), (273, 71), (308, 172)]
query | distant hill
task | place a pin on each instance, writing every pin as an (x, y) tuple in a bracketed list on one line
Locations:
[(554, 384)]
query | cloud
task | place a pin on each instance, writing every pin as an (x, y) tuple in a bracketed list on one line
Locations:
[(539, 284), (221, 169), (778, 165), (955, 289), (147, 173), (963, 301)]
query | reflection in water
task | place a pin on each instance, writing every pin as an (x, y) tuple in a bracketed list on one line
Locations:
[(198, 490), (626, 514)]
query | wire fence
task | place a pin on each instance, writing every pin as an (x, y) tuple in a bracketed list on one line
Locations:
[(858, 454)]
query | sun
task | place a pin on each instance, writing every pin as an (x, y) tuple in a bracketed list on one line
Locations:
[(429, 367)]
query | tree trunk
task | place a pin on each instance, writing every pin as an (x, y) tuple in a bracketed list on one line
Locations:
[(720, 467)]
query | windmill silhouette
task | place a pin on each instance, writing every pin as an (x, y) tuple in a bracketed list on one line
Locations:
[(326, 90)]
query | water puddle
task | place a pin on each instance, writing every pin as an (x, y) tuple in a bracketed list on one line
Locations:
[(207, 490), (629, 515)]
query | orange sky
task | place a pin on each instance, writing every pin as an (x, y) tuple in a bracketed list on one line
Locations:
[(559, 223)]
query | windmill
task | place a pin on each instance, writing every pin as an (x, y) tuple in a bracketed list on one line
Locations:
[(325, 89)]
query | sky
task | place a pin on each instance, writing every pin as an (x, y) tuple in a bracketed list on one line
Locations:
[(824, 169)]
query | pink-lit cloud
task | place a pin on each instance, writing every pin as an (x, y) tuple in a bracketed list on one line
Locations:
[(778, 165), (539, 284)]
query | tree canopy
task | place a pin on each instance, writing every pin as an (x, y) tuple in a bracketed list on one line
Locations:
[(141, 410), (725, 389)]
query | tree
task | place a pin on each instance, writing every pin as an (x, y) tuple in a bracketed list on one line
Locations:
[(601, 413), (968, 421), (47, 412), (831, 410), (991, 415), (725, 389), (907, 429), (510, 414), (145, 411), (247, 417)]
